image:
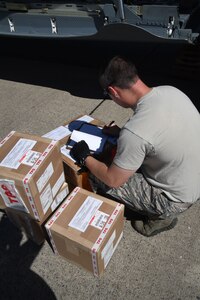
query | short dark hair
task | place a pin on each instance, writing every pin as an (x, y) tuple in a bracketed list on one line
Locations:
[(120, 72)]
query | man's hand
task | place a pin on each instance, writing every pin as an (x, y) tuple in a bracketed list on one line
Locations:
[(79, 152), (111, 129)]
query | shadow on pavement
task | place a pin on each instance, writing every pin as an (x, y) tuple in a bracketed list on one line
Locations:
[(17, 281)]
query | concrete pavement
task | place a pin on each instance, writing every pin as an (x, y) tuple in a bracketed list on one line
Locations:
[(36, 97)]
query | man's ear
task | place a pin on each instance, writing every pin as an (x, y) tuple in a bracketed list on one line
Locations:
[(112, 91)]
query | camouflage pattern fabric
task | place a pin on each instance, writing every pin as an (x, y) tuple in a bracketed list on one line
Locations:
[(141, 197)]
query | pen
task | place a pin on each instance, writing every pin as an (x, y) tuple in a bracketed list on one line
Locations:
[(111, 123)]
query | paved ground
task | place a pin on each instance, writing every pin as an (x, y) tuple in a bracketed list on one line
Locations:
[(36, 97)]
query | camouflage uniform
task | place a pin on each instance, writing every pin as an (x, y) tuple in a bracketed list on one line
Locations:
[(141, 197)]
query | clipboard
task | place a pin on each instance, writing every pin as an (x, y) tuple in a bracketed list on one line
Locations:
[(93, 135)]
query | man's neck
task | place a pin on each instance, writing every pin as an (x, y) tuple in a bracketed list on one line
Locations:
[(140, 89)]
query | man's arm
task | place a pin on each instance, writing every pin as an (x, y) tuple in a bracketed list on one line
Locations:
[(112, 176)]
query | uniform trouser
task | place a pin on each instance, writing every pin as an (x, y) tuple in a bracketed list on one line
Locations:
[(141, 197)]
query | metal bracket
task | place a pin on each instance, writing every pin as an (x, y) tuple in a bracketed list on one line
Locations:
[(106, 21), (170, 26), (11, 24), (53, 25)]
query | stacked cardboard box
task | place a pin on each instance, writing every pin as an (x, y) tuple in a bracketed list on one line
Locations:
[(33, 229), (2, 204), (86, 229), (31, 176)]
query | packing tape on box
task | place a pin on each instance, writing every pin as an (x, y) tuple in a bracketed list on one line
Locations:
[(30, 174), (2, 142), (102, 237)]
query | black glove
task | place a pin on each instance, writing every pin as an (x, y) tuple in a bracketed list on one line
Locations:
[(112, 130), (79, 152)]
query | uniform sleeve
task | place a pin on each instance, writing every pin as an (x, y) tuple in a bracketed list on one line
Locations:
[(131, 151)]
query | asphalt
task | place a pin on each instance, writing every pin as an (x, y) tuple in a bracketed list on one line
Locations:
[(36, 97)]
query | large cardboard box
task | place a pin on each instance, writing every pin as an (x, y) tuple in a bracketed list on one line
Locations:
[(2, 204), (86, 229), (31, 173), (33, 229)]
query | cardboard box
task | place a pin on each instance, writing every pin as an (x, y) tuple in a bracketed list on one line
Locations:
[(31, 173), (86, 229), (2, 204), (33, 229)]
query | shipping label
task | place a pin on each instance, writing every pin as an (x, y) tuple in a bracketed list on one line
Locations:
[(30, 158), (11, 195), (85, 214), (46, 198), (58, 184), (111, 250), (59, 198), (85, 118), (108, 244), (13, 158), (108, 250), (44, 178), (108, 255), (99, 220), (58, 133)]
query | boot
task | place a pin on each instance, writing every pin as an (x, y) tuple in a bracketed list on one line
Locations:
[(152, 227)]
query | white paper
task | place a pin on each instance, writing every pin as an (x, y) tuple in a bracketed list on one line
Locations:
[(30, 158), (46, 198), (110, 252), (108, 255), (84, 215), (100, 219), (86, 118), (58, 184), (48, 172), (59, 198), (66, 152), (108, 245), (13, 158), (93, 141), (58, 133)]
